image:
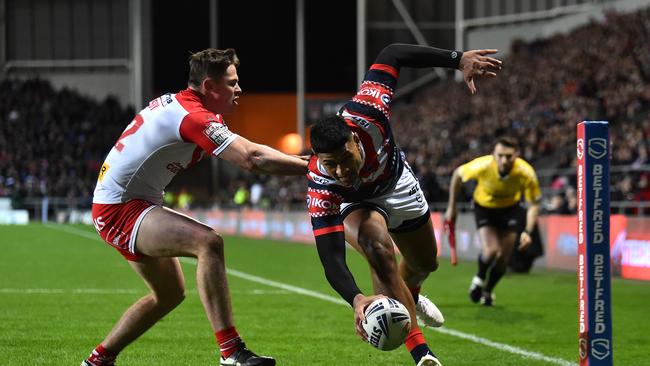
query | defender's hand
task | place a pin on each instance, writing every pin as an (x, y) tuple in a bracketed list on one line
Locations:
[(360, 304), (477, 63), (450, 214), (524, 241)]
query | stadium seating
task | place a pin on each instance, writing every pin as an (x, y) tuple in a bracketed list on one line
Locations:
[(52, 142)]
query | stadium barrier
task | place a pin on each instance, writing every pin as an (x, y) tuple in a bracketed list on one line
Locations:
[(9, 216), (630, 241)]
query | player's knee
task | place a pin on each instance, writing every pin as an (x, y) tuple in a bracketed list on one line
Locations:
[(211, 243), (380, 255), (375, 246), (171, 298), (424, 267), (430, 266)]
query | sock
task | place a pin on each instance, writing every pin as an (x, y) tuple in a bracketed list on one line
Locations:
[(100, 356), (495, 275), (483, 266), (416, 344), (229, 341), (416, 293)]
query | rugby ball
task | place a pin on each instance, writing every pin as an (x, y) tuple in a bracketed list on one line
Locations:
[(387, 323)]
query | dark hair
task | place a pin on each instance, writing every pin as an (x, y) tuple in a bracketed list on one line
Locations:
[(508, 141), (210, 62), (329, 134)]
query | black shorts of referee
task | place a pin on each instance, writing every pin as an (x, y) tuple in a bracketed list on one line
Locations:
[(503, 218)]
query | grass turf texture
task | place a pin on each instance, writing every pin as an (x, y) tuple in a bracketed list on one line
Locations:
[(61, 292)]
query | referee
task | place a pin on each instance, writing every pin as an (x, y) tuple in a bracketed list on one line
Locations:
[(501, 179)]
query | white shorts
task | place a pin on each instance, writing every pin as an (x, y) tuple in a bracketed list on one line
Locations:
[(404, 208)]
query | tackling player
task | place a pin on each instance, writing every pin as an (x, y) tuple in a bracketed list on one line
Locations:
[(361, 190), (501, 177), (173, 133)]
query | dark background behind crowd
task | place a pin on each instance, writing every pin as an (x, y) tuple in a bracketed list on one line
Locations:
[(52, 143)]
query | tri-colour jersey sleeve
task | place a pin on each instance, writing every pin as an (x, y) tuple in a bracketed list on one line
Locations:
[(207, 130), (376, 91), (324, 209)]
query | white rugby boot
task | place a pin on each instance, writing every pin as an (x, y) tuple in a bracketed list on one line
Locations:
[(429, 360), (428, 312)]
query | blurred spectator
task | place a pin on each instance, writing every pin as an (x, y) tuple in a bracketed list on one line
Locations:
[(256, 193), (184, 199), (241, 198)]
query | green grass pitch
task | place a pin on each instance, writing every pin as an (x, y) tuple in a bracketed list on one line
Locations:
[(61, 290)]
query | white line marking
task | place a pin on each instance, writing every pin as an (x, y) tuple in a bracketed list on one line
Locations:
[(299, 290), (504, 347), (103, 291), (284, 286), (111, 291)]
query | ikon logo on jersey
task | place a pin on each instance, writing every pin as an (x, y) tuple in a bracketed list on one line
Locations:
[(217, 133), (375, 93), (319, 203)]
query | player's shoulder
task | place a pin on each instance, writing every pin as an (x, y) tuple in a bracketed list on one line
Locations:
[(480, 163), (524, 168), (190, 100), (204, 118)]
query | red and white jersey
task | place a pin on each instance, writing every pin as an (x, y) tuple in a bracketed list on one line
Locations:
[(368, 115), (173, 133)]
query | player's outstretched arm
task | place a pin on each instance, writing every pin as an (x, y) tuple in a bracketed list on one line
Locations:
[(262, 159), (471, 63), (331, 251), (400, 55), (478, 63)]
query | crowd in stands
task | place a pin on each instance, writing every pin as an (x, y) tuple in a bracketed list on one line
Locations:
[(600, 71), (52, 142)]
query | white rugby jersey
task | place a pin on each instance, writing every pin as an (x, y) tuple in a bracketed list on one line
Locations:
[(173, 133)]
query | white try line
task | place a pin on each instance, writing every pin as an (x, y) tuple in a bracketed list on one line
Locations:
[(302, 291)]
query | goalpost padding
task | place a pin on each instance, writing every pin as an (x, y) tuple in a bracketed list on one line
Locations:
[(594, 272)]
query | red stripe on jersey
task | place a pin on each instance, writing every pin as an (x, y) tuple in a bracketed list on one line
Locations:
[(327, 230), (385, 68), (371, 161)]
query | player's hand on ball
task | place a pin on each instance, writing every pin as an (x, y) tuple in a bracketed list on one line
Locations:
[(477, 63), (360, 304), (524, 241)]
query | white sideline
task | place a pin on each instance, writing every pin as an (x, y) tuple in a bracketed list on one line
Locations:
[(302, 291)]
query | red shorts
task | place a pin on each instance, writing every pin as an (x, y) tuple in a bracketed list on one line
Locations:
[(118, 224)]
